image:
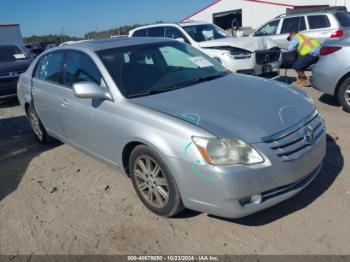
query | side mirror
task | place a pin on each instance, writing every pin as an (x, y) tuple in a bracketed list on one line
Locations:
[(180, 39), (90, 90)]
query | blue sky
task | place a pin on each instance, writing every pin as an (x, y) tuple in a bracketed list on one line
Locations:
[(77, 17)]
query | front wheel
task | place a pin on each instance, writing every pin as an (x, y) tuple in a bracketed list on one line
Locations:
[(153, 182), (37, 127), (344, 95)]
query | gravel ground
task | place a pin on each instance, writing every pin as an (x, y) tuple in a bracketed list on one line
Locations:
[(56, 200)]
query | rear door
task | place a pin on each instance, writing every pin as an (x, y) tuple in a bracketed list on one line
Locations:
[(289, 24), (319, 27), (46, 91)]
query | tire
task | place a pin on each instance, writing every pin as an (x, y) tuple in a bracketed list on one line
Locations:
[(344, 95), (156, 187), (38, 129)]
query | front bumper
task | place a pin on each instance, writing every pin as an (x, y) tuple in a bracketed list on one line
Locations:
[(8, 87), (221, 190), (249, 66)]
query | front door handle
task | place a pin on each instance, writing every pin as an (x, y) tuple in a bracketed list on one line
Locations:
[(35, 90), (64, 102)]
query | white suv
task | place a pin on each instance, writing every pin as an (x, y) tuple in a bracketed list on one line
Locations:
[(248, 55)]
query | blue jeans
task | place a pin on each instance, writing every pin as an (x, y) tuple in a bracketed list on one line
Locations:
[(304, 62)]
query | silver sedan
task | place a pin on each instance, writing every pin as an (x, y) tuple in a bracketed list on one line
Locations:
[(331, 74), (186, 131)]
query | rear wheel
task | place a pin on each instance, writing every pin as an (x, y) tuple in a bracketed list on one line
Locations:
[(37, 127), (344, 95), (154, 183)]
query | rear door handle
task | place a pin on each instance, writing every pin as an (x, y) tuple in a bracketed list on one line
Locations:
[(64, 102)]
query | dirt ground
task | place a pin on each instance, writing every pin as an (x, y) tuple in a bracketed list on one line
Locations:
[(56, 200)]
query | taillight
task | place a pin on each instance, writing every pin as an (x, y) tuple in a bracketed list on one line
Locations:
[(337, 34), (327, 50)]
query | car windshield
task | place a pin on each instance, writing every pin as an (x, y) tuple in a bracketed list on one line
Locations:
[(200, 33), (10, 53), (161, 67)]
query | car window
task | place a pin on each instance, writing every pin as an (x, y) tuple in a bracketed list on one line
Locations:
[(138, 70), (205, 32), (293, 24), (343, 18), (10, 53), (174, 33), (49, 67), (140, 33), (156, 31), (318, 21), (80, 68), (268, 29)]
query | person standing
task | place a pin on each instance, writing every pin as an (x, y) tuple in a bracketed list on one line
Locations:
[(308, 50)]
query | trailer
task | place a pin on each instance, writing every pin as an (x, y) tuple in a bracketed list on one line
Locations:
[(11, 34)]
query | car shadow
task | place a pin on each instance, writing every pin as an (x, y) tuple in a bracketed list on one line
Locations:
[(332, 166), (329, 100), (9, 102), (286, 79), (18, 147)]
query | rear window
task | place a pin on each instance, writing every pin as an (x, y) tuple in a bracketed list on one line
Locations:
[(343, 18), (10, 53), (293, 24), (318, 21)]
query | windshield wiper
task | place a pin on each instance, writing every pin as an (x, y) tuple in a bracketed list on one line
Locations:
[(204, 79), (154, 91), (158, 90)]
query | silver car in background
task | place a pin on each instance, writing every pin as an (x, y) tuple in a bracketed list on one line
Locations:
[(331, 74), (186, 131), (319, 23)]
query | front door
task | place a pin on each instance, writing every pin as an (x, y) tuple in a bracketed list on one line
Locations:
[(88, 123)]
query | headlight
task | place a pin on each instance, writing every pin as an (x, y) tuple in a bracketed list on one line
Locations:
[(233, 52), (219, 152)]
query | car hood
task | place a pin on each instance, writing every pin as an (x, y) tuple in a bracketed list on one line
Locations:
[(235, 106), (15, 66), (251, 44)]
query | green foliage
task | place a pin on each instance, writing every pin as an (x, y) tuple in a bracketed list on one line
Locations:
[(49, 38), (121, 30)]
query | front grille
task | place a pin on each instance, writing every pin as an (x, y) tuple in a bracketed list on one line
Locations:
[(292, 144), (10, 75), (267, 56), (294, 186)]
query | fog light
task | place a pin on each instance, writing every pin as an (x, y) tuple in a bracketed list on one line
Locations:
[(256, 199)]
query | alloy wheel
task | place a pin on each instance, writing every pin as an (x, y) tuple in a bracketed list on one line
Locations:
[(151, 181), (347, 95)]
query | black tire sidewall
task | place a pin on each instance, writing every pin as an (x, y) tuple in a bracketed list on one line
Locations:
[(341, 95), (174, 204), (45, 137)]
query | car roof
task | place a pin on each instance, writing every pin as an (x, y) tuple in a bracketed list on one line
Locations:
[(313, 11), (171, 24), (96, 45)]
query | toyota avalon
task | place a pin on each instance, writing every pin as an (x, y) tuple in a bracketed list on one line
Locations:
[(185, 130)]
